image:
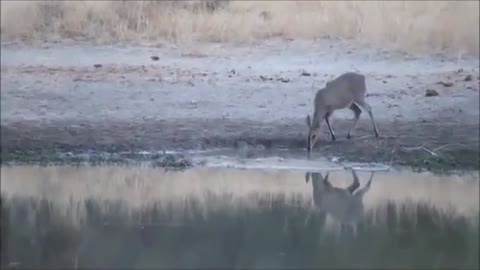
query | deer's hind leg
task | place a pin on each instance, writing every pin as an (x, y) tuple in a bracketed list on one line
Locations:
[(357, 111), (361, 192), (355, 183), (361, 102)]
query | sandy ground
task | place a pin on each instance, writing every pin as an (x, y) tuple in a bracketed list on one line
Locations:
[(214, 95)]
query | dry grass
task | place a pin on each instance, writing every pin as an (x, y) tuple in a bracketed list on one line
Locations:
[(409, 25)]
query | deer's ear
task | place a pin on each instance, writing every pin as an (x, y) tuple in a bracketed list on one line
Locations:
[(309, 122)]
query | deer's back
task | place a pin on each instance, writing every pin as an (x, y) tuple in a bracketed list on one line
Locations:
[(340, 92)]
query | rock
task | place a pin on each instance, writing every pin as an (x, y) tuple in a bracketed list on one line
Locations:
[(260, 147), (155, 58), (306, 74), (97, 65), (468, 78), (263, 78), (446, 84), (431, 93)]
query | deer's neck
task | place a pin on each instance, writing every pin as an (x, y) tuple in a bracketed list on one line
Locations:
[(315, 121)]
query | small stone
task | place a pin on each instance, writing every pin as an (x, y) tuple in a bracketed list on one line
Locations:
[(155, 58), (97, 65), (306, 74), (446, 84), (263, 78), (284, 80), (431, 93), (260, 147), (468, 78)]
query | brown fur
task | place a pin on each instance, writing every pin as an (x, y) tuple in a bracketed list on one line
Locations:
[(347, 90)]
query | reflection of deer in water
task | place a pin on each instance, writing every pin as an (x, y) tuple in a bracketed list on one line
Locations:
[(343, 204)]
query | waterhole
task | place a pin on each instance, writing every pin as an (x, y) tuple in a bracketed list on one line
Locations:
[(138, 217)]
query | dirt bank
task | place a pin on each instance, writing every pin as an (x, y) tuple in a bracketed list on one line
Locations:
[(79, 97)]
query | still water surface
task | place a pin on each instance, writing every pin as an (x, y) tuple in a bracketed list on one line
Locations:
[(143, 217)]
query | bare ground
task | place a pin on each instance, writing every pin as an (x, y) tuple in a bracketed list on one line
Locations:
[(223, 96)]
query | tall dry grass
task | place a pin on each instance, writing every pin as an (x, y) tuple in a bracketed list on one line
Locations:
[(409, 25)]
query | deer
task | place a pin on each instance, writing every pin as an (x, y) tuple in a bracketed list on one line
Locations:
[(347, 90), (343, 204)]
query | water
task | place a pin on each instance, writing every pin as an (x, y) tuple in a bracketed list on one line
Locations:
[(142, 217)]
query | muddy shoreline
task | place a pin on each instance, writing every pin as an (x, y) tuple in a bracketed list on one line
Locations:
[(400, 143)]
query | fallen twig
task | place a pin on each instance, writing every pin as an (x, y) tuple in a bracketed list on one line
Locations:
[(364, 137), (447, 145), (421, 147)]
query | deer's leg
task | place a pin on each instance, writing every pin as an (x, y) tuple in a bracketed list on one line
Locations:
[(366, 188), (332, 133), (355, 183), (367, 107), (357, 111)]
